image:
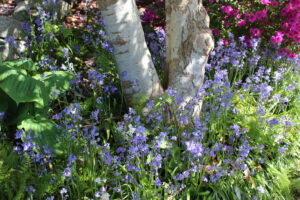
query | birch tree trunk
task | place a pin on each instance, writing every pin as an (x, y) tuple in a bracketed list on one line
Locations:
[(132, 56), (188, 44)]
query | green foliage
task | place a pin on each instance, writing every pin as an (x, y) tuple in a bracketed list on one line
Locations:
[(16, 85), (95, 149), (26, 99), (56, 82), (14, 173)]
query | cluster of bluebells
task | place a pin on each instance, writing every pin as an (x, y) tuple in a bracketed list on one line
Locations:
[(36, 34), (156, 44), (40, 156), (228, 61), (96, 36), (202, 156), (85, 84), (148, 147), (145, 146)]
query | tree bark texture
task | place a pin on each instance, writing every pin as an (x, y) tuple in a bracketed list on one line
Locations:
[(188, 44), (132, 56)]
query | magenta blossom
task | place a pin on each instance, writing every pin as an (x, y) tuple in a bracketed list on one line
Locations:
[(252, 18), (261, 14), (265, 2), (226, 9), (255, 32), (277, 38), (241, 23)]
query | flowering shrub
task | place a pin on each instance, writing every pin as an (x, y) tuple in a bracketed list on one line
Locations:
[(276, 22)]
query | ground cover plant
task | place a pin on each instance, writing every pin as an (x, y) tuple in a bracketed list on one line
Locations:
[(73, 137)]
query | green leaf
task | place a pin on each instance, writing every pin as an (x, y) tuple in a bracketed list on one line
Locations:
[(56, 82), (26, 64), (47, 132), (21, 113), (104, 61), (22, 88), (51, 28), (3, 101), (7, 105)]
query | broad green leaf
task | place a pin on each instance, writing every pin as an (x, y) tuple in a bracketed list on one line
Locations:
[(7, 105), (21, 113), (22, 88), (3, 101), (56, 82), (46, 131), (25, 64)]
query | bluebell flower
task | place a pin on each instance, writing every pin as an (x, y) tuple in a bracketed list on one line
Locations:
[(284, 100), (94, 114), (282, 149), (97, 194), (63, 191), (273, 122), (19, 134), (65, 52), (156, 162), (67, 172), (134, 196), (157, 182), (71, 159), (47, 150), (29, 189), (260, 189), (117, 189), (195, 148), (140, 129)]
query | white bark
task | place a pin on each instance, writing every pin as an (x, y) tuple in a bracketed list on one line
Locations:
[(188, 43), (125, 32)]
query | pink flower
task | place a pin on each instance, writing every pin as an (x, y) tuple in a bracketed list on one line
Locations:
[(252, 18), (290, 54), (265, 2), (287, 9), (159, 2), (277, 38), (216, 32), (282, 51), (261, 14), (274, 3), (234, 13), (211, 1), (226, 24), (238, 16), (255, 32), (225, 42), (241, 23), (226, 9), (285, 26)]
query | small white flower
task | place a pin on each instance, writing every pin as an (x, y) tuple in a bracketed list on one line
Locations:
[(105, 196)]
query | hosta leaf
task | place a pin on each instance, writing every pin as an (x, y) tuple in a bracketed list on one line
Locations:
[(16, 116), (3, 101), (22, 88), (56, 82), (25, 64), (46, 131)]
